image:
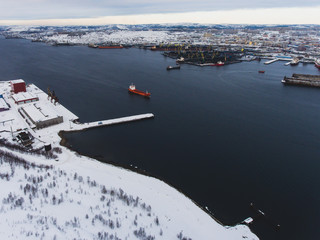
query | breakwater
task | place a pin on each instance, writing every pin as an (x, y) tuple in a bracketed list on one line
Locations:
[(302, 80)]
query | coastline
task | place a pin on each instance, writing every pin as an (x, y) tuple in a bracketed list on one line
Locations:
[(282, 103), (143, 174), (64, 143), (176, 211)]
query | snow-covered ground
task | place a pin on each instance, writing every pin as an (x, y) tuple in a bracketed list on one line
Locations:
[(64, 195), (123, 37), (80, 198)]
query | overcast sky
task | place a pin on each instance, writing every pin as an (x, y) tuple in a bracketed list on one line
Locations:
[(158, 11)]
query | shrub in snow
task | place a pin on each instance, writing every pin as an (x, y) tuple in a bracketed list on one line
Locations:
[(57, 150), (141, 234), (104, 190), (157, 221), (181, 237)]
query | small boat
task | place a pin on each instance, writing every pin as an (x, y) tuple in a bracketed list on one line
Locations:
[(180, 60), (219, 63), (173, 67), (317, 63), (261, 71), (91, 45), (132, 89), (294, 62)]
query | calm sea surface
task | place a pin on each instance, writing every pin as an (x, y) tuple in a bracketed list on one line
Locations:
[(225, 136)]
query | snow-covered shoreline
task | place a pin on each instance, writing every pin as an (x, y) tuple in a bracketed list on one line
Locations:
[(82, 198), (175, 212)]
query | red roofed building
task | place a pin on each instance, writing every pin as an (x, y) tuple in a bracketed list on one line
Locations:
[(18, 86)]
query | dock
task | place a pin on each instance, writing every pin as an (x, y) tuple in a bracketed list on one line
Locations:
[(33, 112), (74, 126), (302, 80), (271, 61), (279, 59)]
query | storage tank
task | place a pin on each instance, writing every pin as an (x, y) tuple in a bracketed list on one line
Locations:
[(47, 147)]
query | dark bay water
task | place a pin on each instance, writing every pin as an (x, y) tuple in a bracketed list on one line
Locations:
[(226, 136)]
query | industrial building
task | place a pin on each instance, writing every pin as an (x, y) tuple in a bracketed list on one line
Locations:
[(24, 97), (40, 115), (3, 104), (20, 94), (18, 86)]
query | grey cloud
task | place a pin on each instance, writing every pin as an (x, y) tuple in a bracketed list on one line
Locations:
[(48, 9)]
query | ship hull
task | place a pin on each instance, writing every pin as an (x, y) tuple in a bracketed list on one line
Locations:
[(110, 47), (172, 68), (141, 93), (218, 64)]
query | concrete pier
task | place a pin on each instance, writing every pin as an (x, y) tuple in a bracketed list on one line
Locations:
[(271, 61), (83, 126), (278, 59), (302, 80)]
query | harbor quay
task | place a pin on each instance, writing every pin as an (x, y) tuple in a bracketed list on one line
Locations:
[(34, 118)]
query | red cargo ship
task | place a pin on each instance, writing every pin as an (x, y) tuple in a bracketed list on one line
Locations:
[(110, 46), (218, 64), (132, 89)]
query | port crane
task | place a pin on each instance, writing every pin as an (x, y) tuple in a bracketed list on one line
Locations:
[(53, 96)]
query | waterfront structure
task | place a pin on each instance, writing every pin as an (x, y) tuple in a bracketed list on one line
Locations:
[(19, 92), (34, 112), (18, 86), (40, 116), (302, 80), (3, 104), (24, 97), (201, 42)]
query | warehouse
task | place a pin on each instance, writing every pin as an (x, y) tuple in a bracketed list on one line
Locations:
[(40, 115), (18, 86), (24, 97), (3, 104)]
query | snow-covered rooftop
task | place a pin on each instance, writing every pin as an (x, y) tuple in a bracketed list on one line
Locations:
[(17, 81), (23, 96), (40, 112), (3, 104)]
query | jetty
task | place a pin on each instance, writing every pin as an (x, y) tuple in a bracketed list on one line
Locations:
[(279, 58), (74, 126), (26, 110), (271, 61), (302, 80)]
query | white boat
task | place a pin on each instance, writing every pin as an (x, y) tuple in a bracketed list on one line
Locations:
[(180, 60), (295, 61)]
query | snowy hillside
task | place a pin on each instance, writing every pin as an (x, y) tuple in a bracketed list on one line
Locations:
[(59, 194), (123, 37), (68, 196)]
